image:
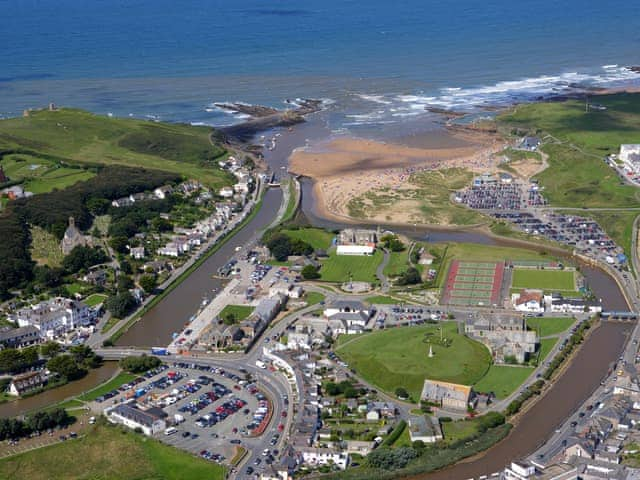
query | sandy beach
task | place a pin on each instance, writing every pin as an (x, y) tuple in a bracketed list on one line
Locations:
[(346, 168)]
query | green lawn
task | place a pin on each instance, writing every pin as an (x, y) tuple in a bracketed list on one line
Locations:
[(544, 279), (115, 382), (78, 137), (319, 239), (339, 268), (75, 287), (503, 380), (240, 312), (95, 299), (398, 263), (383, 300), (550, 326), (108, 453), (577, 176), (314, 298), (398, 357), (546, 345)]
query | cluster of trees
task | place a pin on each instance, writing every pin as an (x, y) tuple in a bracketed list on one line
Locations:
[(515, 405), (574, 340), (126, 222), (75, 363), (82, 258), (409, 277), (345, 388), (391, 242), (139, 364), (13, 360), (16, 266), (386, 458), (14, 428), (120, 304), (281, 246)]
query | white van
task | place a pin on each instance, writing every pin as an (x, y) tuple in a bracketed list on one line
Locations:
[(170, 431)]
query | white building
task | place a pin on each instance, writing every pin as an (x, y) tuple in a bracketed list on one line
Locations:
[(150, 421), (355, 249), (54, 317), (137, 252), (226, 192), (316, 457), (424, 428), (531, 301), (558, 304), (630, 156)]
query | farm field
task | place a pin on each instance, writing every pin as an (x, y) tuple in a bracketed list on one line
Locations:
[(77, 137), (550, 326), (109, 453), (544, 279), (503, 380), (340, 268), (398, 357)]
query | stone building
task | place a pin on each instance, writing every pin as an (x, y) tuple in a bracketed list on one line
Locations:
[(73, 238), (505, 335)]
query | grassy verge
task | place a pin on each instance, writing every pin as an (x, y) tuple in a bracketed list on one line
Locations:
[(112, 384), (546, 326), (316, 237), (398, 263), (503, 380), (313, 298)]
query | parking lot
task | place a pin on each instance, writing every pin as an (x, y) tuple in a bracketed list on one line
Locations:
[(211, 410)]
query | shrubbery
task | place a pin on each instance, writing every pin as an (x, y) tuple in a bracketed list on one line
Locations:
[(139, 364), (14, 428)]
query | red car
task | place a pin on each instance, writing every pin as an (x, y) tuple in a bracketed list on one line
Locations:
[(280, 427), (284, 414)]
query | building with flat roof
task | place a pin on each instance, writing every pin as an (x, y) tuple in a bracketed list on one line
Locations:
[(424, 428), (150, 421)]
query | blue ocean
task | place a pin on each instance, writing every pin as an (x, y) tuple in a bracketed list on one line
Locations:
[(376, 63)]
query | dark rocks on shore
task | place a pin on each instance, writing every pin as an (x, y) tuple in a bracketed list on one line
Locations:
[(264, 118)]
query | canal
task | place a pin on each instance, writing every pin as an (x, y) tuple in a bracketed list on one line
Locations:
[(56, 395)]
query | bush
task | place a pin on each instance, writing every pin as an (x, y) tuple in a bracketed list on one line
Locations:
[(386, 458), (409, 277), (309, 272)]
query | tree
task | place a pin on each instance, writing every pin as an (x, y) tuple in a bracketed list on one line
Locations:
[(121, 304), (391, 242), (49, 349), (401, 393), (139, 364), (160, 224), (148, 283), (98, 206), (310, 272), (119, 243), (47, 276), (81, 258), (125, 282), (66, 366), (410, 277)]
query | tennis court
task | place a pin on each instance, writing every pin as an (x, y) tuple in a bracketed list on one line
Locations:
[(473, 283)]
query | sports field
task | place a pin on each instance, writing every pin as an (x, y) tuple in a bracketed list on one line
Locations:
[(544, 279), (399, 357), (473, 283)]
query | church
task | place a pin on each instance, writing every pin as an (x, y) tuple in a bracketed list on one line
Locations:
[(72, 238)]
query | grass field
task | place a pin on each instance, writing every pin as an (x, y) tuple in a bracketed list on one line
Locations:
[(577, 176), (109, 453), (550, 326), (319, 239), (45, 248), (503, 380), (112, 384), (546, 345), (339, 268), (80, 137), (398, 263), (240, 312), (40, 175), (313, 298), (544, 279), (383, 300), (398, 357), (95, 299), (619, 226)]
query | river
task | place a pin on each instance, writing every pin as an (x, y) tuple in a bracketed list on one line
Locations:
[(50, 397)]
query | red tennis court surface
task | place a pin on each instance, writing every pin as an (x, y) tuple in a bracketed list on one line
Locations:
[(473, 283)]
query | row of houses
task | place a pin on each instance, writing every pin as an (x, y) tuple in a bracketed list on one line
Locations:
[(186, 188), (534, 301)]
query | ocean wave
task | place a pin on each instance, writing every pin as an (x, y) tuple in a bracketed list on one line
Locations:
[(374, 98)]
